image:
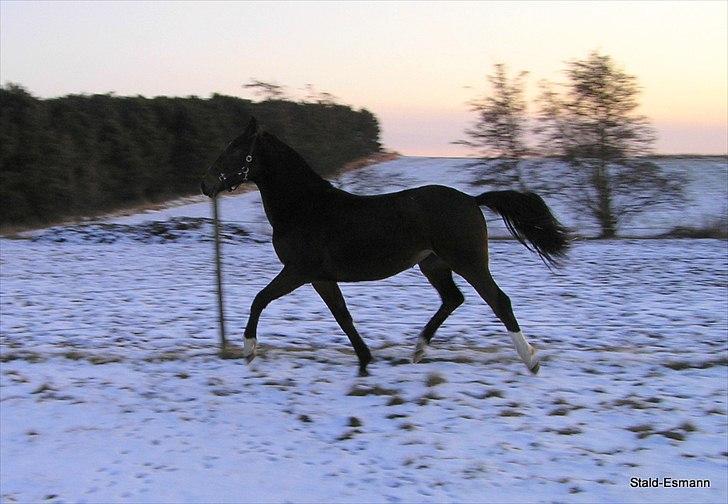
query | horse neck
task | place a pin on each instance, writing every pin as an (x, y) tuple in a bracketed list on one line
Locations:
[(287, 187)]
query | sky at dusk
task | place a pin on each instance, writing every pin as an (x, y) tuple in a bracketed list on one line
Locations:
[(414, 64)]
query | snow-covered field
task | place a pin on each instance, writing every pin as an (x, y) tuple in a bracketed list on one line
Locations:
[(111, 390)]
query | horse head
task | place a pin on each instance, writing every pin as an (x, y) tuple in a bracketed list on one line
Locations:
[(239, 163)]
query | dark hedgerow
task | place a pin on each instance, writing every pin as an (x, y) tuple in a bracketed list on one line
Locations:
[(79, 155)]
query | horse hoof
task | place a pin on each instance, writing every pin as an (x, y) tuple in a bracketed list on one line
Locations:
[(534, 363), (363, 372), (420, 349)]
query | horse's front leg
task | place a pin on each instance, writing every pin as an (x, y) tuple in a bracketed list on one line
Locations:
[(284, 283), (331, 294)]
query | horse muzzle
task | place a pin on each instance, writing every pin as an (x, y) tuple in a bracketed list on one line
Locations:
[(210, 190)]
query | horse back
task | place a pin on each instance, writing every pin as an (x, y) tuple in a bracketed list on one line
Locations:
[(347, 237)]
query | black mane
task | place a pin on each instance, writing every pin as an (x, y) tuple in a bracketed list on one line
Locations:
[(284, 162)]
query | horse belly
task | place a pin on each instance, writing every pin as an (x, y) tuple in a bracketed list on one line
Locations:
[(376, 260)]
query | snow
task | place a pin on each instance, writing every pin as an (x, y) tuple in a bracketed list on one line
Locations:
[(111, 391)]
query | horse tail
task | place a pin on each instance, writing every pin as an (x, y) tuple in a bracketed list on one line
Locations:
[(529, 220)]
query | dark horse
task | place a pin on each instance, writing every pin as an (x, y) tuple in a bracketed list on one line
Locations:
[(324, 235)]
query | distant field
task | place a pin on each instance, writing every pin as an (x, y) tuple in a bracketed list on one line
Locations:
[(706, 190)]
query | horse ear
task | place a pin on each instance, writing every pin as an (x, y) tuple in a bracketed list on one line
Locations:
[(252, 128)]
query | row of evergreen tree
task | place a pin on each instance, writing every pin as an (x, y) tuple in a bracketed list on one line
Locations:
[(82, 154)]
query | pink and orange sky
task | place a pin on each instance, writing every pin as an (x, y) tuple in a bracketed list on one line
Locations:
[(414, 64)]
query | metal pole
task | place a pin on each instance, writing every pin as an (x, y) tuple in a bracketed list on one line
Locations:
[(218, 274)]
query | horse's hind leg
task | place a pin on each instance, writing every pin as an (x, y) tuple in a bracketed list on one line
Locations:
[(480, 278), (331, 294), (439, 274)]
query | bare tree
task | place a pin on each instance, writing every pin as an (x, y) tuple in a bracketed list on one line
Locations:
[(320, 97), (499, 134), (592, 125), (266, 90)]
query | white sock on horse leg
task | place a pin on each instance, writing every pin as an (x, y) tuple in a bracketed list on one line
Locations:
[(249, 347), (420, 349), (525, 350)]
